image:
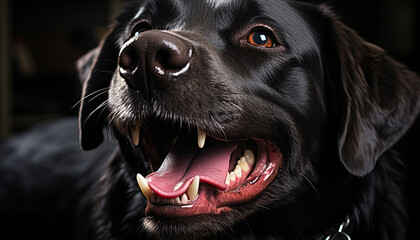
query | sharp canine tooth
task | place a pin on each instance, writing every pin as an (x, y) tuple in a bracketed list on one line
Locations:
[(238, 171), (193, 188), (243, 164), (201, 138), (136, 134), (250, 157), (144, 186)]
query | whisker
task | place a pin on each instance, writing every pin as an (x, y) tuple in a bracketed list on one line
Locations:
[(100, 91), (111, 118), (99, 94), (312, 185), (238, 107), (219, 126), (102, 105), (95, 72)]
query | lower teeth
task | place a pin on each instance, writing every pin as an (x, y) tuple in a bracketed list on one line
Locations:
[(181, 200), (241, 170)]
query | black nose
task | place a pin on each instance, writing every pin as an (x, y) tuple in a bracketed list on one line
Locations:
[(153, 59)]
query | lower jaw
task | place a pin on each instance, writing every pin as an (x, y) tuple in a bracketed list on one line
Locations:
[(204, 204), (210, 200)]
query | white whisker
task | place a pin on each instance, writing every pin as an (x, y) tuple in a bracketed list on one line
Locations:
[(102, 105), (219, 126), (99, 92), (312, 185)]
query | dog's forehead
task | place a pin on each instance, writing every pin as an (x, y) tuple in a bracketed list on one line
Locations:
[(211, 12), (214, 18)]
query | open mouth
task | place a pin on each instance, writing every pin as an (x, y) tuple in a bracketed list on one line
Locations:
[(196, 173)]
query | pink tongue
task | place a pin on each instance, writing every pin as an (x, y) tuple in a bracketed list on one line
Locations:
[(185, 161)]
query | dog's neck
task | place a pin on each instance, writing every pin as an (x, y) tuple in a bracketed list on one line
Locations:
[(381, 200)]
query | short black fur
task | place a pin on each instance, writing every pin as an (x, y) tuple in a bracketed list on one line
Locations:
[(340, 109)]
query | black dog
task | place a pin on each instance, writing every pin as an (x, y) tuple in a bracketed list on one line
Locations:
[(247, 119)]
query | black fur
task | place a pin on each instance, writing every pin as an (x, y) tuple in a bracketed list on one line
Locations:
[(340, 110)]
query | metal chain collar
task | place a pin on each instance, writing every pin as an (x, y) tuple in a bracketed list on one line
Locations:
[(339, 234)]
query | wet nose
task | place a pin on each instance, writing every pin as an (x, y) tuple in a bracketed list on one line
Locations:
[(152, 59)]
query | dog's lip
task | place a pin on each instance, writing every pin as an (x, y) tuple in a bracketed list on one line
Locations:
[(211, 200)]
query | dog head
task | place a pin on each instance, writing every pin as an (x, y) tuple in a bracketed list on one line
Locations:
[(240, 109)]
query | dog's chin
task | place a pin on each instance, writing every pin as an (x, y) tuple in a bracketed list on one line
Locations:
[(193, 227), (197, 174)]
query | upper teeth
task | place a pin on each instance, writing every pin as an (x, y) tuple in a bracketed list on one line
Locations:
[(201, 138)]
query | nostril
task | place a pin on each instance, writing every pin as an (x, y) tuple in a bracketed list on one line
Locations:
[(171, 60), (129, 60), (163, 57), (172, 55)]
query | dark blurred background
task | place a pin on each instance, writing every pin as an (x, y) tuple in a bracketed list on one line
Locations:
[(41, 40)]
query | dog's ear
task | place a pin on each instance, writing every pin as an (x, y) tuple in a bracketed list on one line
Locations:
[(85, 63), (376, 99), (96, 69)]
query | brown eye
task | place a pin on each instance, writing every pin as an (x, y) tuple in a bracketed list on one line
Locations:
[(261, 39)]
